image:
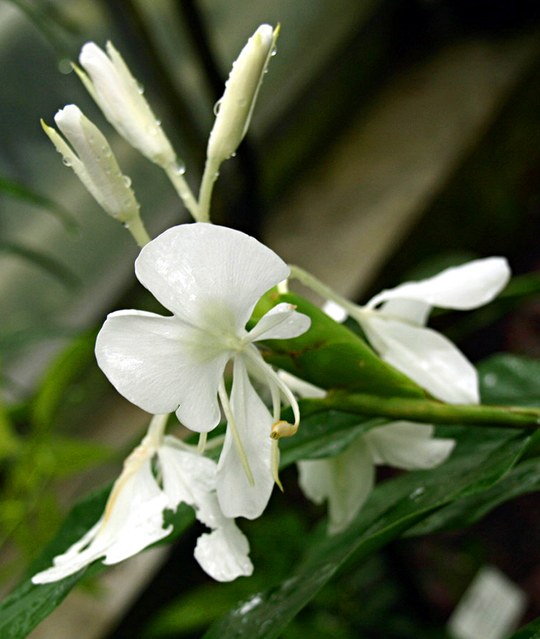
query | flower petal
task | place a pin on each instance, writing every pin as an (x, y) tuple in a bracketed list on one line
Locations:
[(409, 311), (408, 445), (237, 497), (460, 287), (224, 553), (281, 322), (344, 480), (209, 275), (427, 357), (162, 365)]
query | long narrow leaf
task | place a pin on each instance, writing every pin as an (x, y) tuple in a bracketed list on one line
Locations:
[(43, 261)]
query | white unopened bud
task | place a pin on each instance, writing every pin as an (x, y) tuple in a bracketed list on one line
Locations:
[(120, 97), (91, 158), (235, 108)]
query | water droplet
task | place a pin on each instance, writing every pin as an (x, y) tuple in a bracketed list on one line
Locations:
[(417, 492), (242, 102), (67, 161), (127, 181), (490, 380), (217, 106), (233, 154), (179, 167), (140, 88), (158, 122), (273, 52), (64, 66)]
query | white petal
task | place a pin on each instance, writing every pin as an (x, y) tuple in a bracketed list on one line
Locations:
[(190, 478), (301, 387), (335, 311), (119, 97), (136, 518), (281, 322), (460, 287), (427, 357), (237, 497), (408, 445), (132, 521), (409, 311), (162, 365), (223, 553), (209, 275), (344, 480)]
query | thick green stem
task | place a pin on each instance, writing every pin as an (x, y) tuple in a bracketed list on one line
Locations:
[(426, 410), (137, 229)]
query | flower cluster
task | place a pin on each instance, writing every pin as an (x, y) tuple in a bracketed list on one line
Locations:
[(210, 279)]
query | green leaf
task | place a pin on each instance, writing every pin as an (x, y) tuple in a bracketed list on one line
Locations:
[(510, 379), (43, 261), (530, 631), (331, 356), (21, 192), (60, 375), (480, 459)]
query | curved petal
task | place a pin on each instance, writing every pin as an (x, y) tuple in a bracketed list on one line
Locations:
[(460, 287), (187, 478), (427, 357), (281, 322), (410, 311), (344, 480), (134, 521), (224, 553), (408, 445), (162, 365), (237, 497), (209, 275)]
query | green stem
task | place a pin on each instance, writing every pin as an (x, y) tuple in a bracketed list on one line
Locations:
[(209, 178), (137, 229), (426, 410)]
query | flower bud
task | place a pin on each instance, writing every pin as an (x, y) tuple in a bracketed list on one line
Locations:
[(119, 96), (241, 89), (92, 160)]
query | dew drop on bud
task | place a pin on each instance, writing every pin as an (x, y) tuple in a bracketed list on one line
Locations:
[(216, 107), (66, 161), (179, 167), (127, 181)]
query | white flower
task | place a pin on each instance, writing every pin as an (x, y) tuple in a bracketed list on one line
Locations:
[(236, 106), (347, 479), (210, 277), (92, 160), (119, 96), (394, 323), (133, 517)]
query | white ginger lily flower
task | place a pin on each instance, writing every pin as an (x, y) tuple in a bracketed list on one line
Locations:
[(210, 277), (120, 97), (347, 479), (133, 517), (93, 161), (394, 322)]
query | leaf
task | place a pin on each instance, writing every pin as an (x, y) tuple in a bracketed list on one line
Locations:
[(480, 459), (58, 378), (43, 261), (21, 192), (509, 379), (523, 479), (331, 356), (530, 631)]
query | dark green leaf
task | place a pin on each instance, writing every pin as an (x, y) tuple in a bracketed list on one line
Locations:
[(510, 379), (480, 459), (530, 631)]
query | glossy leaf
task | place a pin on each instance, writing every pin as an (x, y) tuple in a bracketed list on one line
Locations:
[(480, 459)]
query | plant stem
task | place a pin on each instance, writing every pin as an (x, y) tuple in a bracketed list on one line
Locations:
[(426, 410), (137, 229), (182, 188)]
